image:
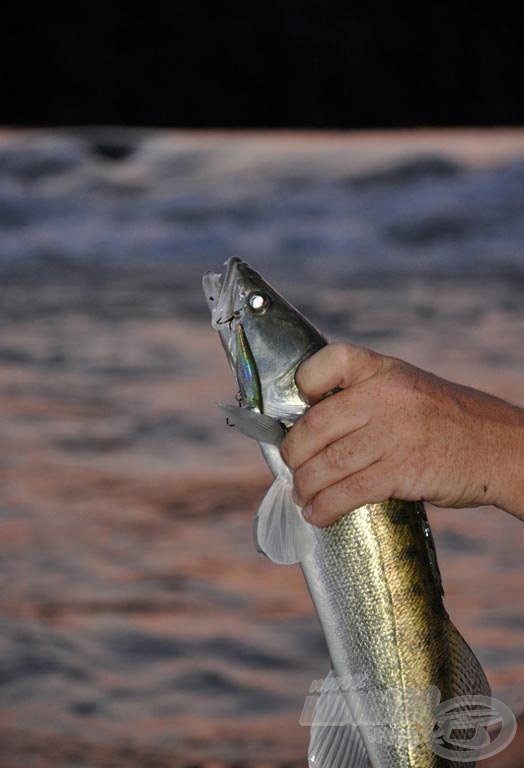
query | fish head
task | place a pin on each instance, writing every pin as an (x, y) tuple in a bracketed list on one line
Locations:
[(264, 336)]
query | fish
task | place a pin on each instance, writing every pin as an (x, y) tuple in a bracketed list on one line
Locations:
[(373, 575)]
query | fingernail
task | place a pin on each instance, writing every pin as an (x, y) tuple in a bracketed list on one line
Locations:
[(307, 511)]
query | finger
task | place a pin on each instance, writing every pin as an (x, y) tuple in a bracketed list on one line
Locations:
[(336, 365), (325, 423), (370, 486), (347, 456)]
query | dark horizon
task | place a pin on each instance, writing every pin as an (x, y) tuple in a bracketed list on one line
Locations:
[(198, 67)]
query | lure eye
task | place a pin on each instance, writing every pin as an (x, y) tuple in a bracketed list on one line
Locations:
[(259, 303)]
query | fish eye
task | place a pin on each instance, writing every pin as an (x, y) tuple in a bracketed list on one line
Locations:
[(259, 303)]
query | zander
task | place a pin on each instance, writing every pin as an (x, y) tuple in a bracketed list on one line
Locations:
[(373, 575)]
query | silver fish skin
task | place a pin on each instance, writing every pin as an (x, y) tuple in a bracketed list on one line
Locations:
[(372, 575)]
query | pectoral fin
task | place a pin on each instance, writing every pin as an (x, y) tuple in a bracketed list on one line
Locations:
[(281, 532), (335, 746)]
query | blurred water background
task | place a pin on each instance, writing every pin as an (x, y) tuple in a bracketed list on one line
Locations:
[(139, 627)]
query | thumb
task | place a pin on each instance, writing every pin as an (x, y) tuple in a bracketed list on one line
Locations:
[(336, 365)]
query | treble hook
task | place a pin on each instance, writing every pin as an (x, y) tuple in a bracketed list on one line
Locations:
[(234, 316), (239, 399)]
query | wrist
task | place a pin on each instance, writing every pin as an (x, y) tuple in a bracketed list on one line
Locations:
[(510, 465)]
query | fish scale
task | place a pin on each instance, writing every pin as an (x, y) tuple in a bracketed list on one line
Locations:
[(360, 580)]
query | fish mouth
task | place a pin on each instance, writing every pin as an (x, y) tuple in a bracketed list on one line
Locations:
[(221, 293)]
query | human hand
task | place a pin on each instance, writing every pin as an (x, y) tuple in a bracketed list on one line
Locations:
[(395, 431)]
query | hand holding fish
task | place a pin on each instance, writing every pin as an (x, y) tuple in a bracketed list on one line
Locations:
[(395, 431)]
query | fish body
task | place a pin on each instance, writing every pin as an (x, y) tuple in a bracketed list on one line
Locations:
[(372, 575)]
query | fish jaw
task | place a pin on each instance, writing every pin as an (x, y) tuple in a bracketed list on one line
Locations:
[(220, 292), (278, 338)]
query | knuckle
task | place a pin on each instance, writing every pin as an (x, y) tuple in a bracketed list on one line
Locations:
[(313, 420), (405, 377), (416, 464), (327, 509), (370, 486), (359, 484), (341, 354), (398, 389), (320, 505), (336, 456), (412, 482), (395, 371), (302, 376), (300, 484), (287, 451)]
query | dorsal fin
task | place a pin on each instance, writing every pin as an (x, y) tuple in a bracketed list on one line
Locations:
[(430, 544)]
